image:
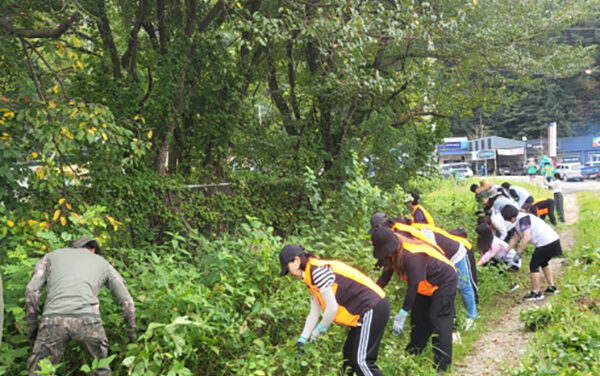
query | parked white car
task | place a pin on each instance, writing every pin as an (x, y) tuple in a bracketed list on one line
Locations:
[(463, 169), (570, 171)]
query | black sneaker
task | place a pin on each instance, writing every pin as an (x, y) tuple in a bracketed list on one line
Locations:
[(551, 290), (533, 296)]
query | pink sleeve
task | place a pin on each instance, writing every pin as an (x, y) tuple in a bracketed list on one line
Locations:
[(494, 249)]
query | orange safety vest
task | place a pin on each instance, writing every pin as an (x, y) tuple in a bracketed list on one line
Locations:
[(342, 315), (428, 216), (416, 233), (539, 211), (424, 287), (439, 230)]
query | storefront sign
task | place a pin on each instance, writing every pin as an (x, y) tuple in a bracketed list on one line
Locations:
[(485, 154), (511, 151)]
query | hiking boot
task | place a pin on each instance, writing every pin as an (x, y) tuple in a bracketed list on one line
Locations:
[(551, 290), (533, 296)]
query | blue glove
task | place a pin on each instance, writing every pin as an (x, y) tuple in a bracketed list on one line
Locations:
[(319, 330), (399, 320)]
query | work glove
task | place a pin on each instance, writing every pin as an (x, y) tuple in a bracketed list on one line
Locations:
[(32, 335), (319, 330), (399, 320), (517, 257), (299, 343), (131, 333)]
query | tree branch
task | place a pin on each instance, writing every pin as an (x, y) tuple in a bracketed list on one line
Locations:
[(215, 12), (58, 80), (42, 33), (292, 77), (129, 57), (103, 25), (150, 86), (38, 87)]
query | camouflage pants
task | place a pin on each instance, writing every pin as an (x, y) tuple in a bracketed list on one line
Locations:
[(55, 333)]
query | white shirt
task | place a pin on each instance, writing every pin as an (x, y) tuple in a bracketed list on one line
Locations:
[(541, 233), (522, 193), (554, 186)]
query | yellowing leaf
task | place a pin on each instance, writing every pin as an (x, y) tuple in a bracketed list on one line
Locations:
[(104, 136), (79, 64), (39, 172), (63, 221), (51, 104), (61, 201), (56, 215), (59, 47), (135, 140), (74, 112), (69, 206), (150, 134), (56, 89)]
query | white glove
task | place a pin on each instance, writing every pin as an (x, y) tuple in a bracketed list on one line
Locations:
[(399, 320)]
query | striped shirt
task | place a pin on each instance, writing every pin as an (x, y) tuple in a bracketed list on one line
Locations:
[(323, 277)]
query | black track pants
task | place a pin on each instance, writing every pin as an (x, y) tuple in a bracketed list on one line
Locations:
[(362, 344), (433, 315)]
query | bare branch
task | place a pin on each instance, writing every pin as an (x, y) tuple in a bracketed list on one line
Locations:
[(52, 71), (38, 87)]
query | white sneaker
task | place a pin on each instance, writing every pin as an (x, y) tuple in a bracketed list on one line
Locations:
[(469, 323)]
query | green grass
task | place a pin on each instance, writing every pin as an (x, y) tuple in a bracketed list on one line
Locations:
[(567, 334)]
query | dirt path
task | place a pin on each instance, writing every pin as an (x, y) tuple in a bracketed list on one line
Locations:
[(506, 341)]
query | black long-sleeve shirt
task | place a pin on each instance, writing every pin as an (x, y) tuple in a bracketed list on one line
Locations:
[(420, 267)]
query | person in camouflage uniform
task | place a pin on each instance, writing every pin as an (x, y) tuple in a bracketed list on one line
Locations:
[(72, 311)]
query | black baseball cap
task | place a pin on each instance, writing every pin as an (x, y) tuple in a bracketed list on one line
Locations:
[(287, 254), (384, 242), (377, 220)]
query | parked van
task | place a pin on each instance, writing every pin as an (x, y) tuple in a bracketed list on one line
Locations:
[(570, 171)]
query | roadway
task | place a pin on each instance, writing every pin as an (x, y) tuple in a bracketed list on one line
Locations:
[(567, 186)]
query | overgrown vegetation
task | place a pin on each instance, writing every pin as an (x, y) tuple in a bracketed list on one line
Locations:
[(567, 339)]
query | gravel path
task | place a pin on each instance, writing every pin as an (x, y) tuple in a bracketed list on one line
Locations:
[(503, 346)]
